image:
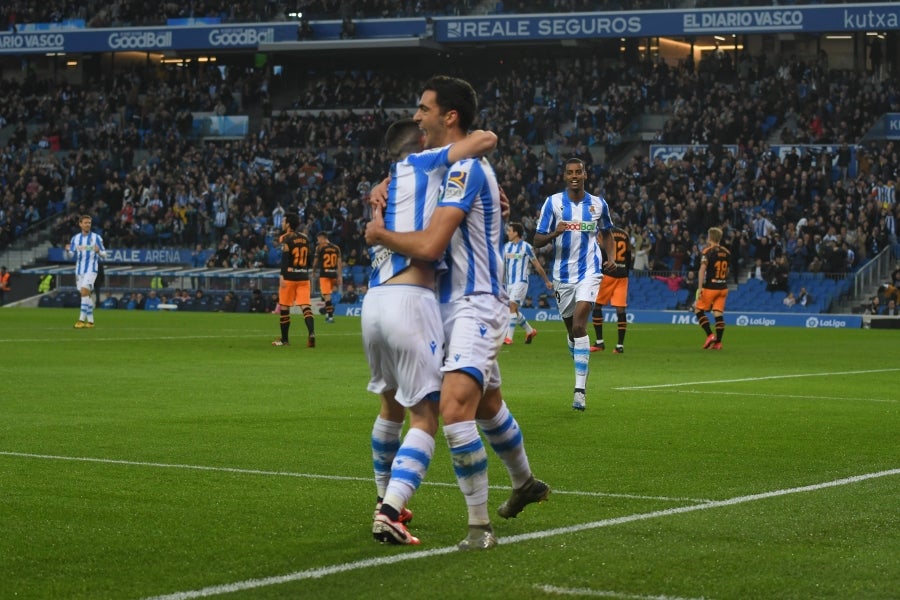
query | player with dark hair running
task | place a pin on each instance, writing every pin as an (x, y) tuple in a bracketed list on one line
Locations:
[(614, 290), (713, 277), (293, 287), (577, 223)]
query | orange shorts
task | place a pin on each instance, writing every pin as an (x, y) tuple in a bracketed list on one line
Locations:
[(327, 285), (292, 293), (613, 290), (712, 300)]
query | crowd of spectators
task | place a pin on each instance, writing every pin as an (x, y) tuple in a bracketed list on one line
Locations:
[(228, 196)]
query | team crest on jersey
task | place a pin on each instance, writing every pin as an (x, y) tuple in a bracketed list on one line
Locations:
[(456, 185), (591, 209)]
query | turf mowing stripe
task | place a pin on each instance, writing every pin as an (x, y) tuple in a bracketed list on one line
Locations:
[(135, 463), (719, 381), (317, 573)]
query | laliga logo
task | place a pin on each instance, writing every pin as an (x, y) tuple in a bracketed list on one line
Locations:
[(812, 322), (541, 316), (241, 37), (742, 321)]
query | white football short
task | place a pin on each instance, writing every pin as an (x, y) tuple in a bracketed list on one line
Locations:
[(474, 327), (85, 281), (517, 292), (569, 294), (404, 341)]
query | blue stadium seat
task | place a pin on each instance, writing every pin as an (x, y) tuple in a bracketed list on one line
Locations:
[(360, 274)]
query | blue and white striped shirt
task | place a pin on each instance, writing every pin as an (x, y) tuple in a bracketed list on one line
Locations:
[(86, 259), (576, 253), (475, 254), (412, 196), (518, 257)]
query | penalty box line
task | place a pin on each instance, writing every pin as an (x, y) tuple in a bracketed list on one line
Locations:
[(320, 572)]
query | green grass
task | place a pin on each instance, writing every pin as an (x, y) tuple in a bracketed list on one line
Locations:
[(163, 453)]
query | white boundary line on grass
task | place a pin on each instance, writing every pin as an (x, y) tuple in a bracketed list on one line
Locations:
[(320, 572), (794, 396), (560, 591), (134, 463), (719, 381)]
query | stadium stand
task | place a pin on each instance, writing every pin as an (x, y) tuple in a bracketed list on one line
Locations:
[(122, 150)]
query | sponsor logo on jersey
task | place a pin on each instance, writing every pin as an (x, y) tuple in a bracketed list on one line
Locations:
[(580, 225)]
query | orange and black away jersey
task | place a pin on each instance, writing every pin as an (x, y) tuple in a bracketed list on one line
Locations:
[(294, 256), (717, 259), (328, 258), (624, 256)]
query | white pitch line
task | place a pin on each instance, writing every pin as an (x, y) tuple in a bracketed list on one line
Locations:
[(560, 591), (134, 463), (320, 572), (718, 381), (796, 396), (81, 340)]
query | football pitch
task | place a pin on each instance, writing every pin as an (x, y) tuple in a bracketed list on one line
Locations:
[(167, 455)]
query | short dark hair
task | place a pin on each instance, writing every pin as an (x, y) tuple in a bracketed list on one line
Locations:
[(574, 160), (293, 220), (518, 228), (403, 137), (453, 93)]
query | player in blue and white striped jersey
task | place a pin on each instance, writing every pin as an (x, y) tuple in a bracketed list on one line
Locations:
[(520, 258), (467, 226), (87, 248), (405, 363), (572, 219)]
